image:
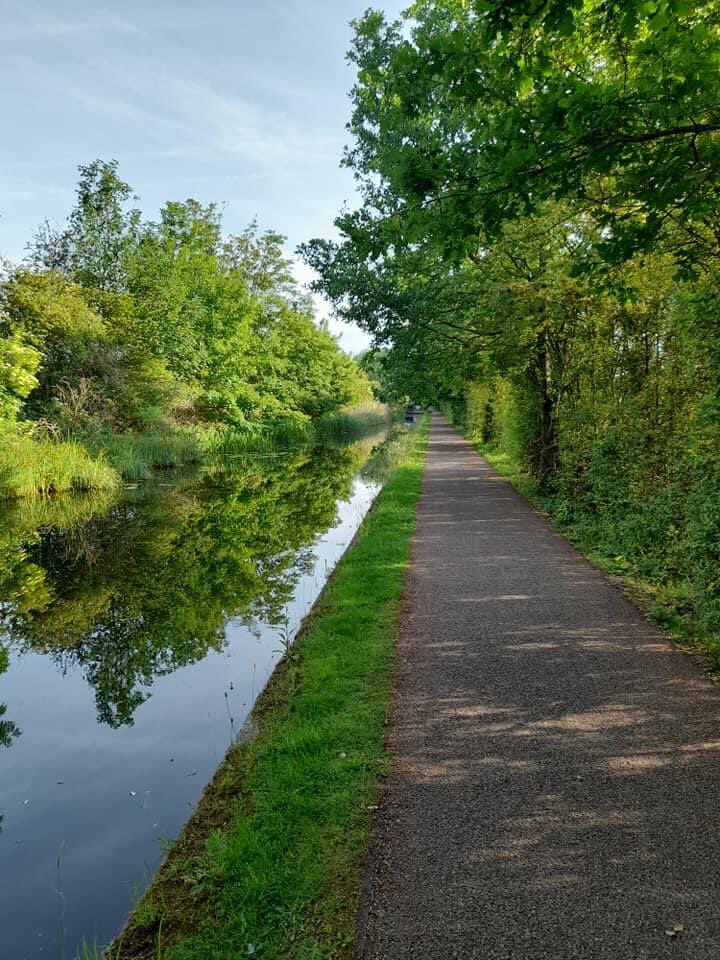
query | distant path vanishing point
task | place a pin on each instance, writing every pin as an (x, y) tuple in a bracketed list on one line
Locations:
[(555, 787)]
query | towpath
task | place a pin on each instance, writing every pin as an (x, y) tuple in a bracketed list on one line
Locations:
[(555, 788)]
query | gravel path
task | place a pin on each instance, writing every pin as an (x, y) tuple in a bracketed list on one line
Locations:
[(555, 789)]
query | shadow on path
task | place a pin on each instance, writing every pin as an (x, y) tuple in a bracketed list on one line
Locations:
[(555, 789)]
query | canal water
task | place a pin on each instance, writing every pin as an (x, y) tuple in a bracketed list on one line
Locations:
[(135, 635)]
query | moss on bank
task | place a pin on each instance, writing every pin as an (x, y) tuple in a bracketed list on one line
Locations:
[(270, 865)]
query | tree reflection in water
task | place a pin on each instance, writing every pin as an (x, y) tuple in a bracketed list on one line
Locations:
[(132, 589), (8, 729)]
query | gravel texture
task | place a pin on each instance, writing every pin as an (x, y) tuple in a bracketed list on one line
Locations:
[(555, 787)]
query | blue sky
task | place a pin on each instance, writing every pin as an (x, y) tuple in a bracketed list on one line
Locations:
[(240, 102)]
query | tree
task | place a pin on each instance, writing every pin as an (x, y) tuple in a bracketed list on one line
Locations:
[(121, 325), (18, 365), (50, 313), (100, 232), (260, 258), (190, 312), (483, 110)]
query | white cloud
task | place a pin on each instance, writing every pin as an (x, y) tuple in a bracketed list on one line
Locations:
[(237, 101), (33, 21)]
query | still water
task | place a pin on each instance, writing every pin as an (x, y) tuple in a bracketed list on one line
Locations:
[(135, 635)]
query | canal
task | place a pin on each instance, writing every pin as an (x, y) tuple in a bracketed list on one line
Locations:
[(136, 631)]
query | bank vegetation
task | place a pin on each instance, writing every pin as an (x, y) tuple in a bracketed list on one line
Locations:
[(128, 345)]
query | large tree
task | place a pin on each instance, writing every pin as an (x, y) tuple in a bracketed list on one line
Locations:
[(475, 111), (93, 244)]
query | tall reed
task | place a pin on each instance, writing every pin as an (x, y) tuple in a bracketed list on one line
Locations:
[(32, 466)]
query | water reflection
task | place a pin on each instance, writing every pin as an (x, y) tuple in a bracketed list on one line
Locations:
[(8, 729), (147, 585), (169, 606)]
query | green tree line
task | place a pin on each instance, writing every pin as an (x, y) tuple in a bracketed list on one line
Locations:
[(537, 252), (143, 340)]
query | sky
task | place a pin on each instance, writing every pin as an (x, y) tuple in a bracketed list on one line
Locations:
[(243, 103)]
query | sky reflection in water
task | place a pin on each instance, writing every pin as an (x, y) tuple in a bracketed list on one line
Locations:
[(134, 638)]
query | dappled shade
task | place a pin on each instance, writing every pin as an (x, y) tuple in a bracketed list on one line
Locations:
[(555, 774)]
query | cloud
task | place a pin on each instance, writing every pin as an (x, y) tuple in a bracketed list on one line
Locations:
[(192, 118), (240, 102), (32, 21)]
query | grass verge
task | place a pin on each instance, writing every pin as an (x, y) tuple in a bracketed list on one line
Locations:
[(270, 865)]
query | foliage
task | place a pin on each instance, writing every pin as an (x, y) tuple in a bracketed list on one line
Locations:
[(92, 246), (18, 366), (477, 112), (119, 328)]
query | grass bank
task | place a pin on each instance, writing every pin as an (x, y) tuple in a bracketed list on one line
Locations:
[(333, 428), (137, 456), (667, 603), (33, 465), (270, 865)]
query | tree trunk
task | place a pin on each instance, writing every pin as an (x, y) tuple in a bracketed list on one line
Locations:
[(546, 448)]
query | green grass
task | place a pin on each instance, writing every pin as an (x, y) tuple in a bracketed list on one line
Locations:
[(280, 875), (136, 455), (346, 427), (333, 428), (33, 467)]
